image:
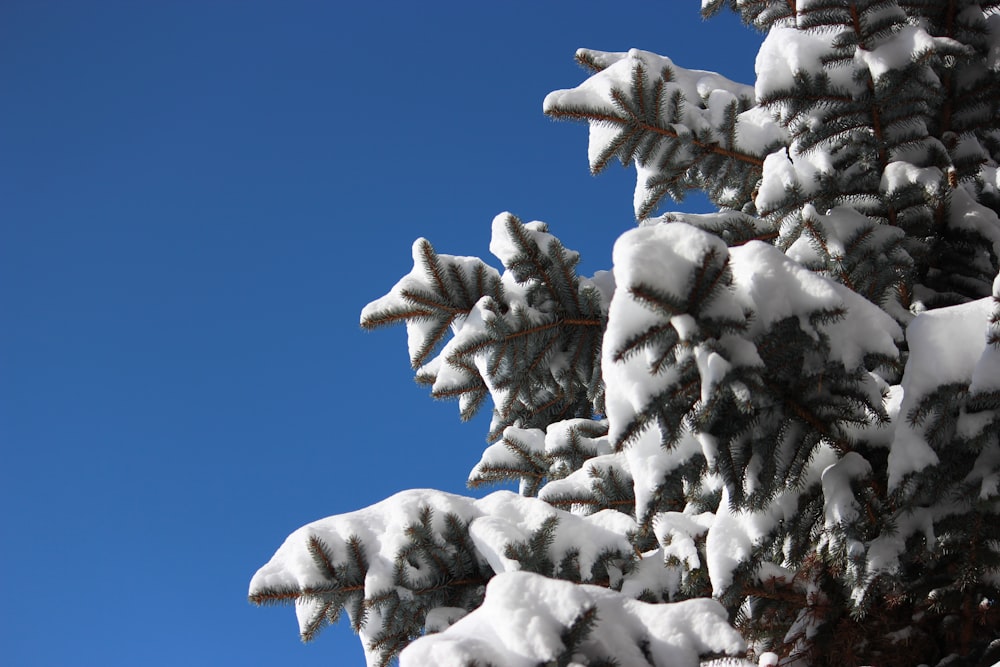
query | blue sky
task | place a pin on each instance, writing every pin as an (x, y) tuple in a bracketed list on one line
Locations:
[(196, 200)]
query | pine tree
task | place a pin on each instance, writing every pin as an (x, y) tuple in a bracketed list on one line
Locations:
[(772, 432)]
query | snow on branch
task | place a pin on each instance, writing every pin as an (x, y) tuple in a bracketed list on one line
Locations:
[(744, 419), (761, 14), (946, 347), (681, 128), (529, 339), (528, 620), (392, 564), (699, 346)]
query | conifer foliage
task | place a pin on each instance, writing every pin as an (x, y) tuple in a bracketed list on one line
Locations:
[(771, 434), (532, 340)]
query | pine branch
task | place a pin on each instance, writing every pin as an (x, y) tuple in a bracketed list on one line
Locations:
[(288, 595), (633, 123), (667, 123)]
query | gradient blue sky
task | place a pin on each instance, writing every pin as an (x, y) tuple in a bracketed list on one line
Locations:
[(196, 200)]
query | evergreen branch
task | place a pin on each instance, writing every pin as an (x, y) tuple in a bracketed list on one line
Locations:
[(638, 85), (473, 347), (433, 268), (642, 340), (587, 61), (593, 349), (552, 325), (469, 582), (564, 501), (541, 409), (378, 320), (388, 646), (315, 624), (876, 115), (322, 557), (614, 147), (288, 595), (814, 422), (356, 550), (531, 251), (579, 630), (609, 119), (654, 411), (780, 398), (456, 277), (793, 96), (657, 300), (568, 277), (453, 392), (699, 294), (493, 473), (430, 343), (409, 295)]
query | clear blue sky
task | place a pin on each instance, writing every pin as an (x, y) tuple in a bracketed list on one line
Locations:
[(196, 200)]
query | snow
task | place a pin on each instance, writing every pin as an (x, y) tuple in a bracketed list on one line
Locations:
[(967, 214), (986, 374), (839, 505), (650, 463), (498, 455), (712, 367), (696, 85), (510, 519), (664, 255), (708, 97), (730, 541), (507, 454), (651, 574), (986, 471), (884, 550), (440, 618), (767, 284), (553, 453), (560, 436), (786, 52), (579, 483), (826, 239), (993, 25), (757, 133), (734, 533), (945, 346), (523, 618), (381, 527), (497, 521), (908, 45), (433, 300), (382, 530), (676, 532), (420, 279), (899, 174), (471, 325), (505, 247), (604, 283), (785, 171), (768, 659), (777, 287), (874, 433)]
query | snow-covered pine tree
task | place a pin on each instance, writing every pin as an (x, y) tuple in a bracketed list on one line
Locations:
[(773, 432)]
